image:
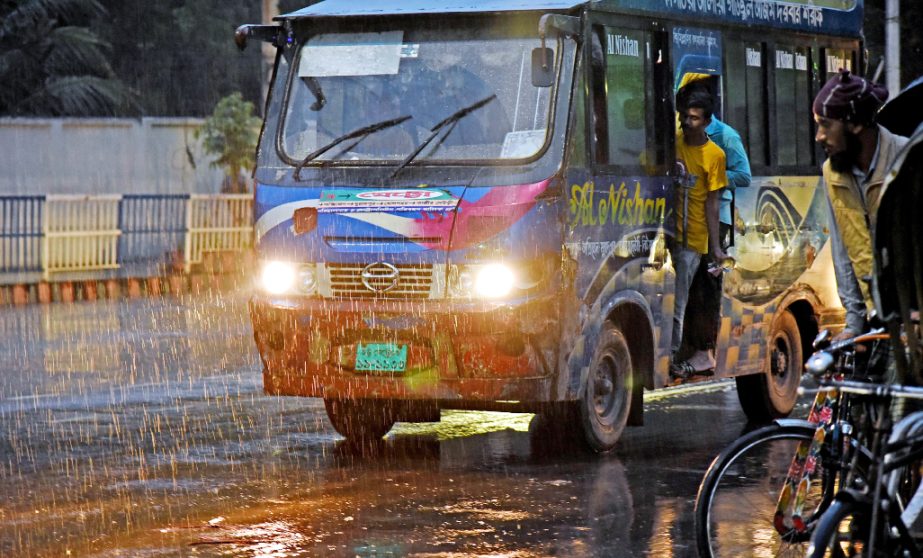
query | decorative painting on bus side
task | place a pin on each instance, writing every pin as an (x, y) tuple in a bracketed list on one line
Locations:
[(616, 237), (610, 216), (780, 229), (781, 236)]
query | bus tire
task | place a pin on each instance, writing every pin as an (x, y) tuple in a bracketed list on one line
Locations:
[(606, 401), (360, 419), (773, 393)]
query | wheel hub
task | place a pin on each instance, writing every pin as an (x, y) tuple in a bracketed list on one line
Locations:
[(779, 360), (604, 389)]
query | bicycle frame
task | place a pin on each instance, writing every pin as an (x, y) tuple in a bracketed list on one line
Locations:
[(790, 508), (827, 410), (870, 490)]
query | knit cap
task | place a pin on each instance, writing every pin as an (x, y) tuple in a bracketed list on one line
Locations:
[(849, 97)]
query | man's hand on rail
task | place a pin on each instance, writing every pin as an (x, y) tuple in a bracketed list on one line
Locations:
[(848, 334)]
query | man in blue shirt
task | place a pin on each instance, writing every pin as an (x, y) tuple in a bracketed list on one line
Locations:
[(738, 171)]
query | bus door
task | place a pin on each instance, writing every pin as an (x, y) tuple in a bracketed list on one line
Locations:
[(697, 56), (619, 193)]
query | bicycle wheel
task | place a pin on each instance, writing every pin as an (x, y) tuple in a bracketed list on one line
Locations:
[(737, 499), (841, 532)]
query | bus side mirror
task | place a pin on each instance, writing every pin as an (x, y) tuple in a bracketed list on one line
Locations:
[(542, 67), (543, 57), (266, 33)]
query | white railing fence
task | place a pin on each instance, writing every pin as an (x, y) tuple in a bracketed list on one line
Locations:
[(21, 233), (80, 233), (218, 223), (133, 234)]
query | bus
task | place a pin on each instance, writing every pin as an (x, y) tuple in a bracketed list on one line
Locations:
[(469, 205)]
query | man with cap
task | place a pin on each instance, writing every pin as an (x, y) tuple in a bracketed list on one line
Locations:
[(859, 153)]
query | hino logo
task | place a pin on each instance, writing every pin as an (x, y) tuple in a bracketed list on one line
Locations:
[(380, 277)]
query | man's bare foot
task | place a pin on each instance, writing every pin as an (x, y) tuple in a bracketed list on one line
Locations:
[(702, 361)]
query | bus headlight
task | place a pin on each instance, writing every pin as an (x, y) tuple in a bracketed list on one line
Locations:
[(280, 277), (494, 280)]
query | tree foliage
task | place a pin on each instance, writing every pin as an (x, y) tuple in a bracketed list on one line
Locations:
[(53, 64), (231, 133), (180, 54), (177, 57), (123, 57)]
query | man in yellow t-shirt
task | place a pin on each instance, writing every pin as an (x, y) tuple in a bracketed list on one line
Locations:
[(702, 166)]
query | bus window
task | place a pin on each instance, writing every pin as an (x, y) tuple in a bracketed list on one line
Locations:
[(746, 98), (625, 52), (347, 80), (793, 106), (836, 59), (577, 131)]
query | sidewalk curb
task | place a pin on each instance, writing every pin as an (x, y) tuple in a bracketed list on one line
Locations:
[(69, 292)]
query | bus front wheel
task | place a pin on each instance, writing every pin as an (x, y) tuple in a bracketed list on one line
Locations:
[(606, 401), (360, 419), (773, 393)]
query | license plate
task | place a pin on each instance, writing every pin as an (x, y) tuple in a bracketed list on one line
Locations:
[(381, 357)]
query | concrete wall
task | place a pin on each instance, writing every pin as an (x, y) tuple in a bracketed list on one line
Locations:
[(104, 156)]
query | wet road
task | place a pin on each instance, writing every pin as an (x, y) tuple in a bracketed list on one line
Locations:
[(138, 428)]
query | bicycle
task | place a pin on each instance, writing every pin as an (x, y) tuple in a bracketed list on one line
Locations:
[(786, 473), (872, 513)]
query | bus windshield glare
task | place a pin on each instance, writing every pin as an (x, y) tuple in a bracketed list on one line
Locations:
[(379, 96)]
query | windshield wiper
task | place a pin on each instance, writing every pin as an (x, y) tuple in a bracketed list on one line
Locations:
[(314, 87), (450, 121), (360, 133)]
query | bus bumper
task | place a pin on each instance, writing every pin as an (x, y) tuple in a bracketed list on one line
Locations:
[(455, 352)]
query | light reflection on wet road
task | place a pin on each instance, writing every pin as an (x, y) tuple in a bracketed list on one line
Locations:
[(139, 429)]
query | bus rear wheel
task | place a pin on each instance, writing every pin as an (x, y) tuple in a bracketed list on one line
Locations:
[(360, 419), (606, 401), (773, 393)]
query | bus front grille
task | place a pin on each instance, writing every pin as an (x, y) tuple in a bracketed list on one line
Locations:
[(412, 281)]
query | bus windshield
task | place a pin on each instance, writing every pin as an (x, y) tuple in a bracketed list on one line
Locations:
[(380, 96)]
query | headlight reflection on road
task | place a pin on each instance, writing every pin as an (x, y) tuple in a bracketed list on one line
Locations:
[(460, 424), (276, 539)]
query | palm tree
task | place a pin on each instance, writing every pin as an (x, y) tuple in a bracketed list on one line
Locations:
[(52, 64)]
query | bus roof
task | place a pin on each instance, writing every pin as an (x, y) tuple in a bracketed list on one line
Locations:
[(333, 8), (838, 17)]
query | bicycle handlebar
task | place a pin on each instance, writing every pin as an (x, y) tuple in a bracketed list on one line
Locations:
[(822, 359), (869, 389)]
